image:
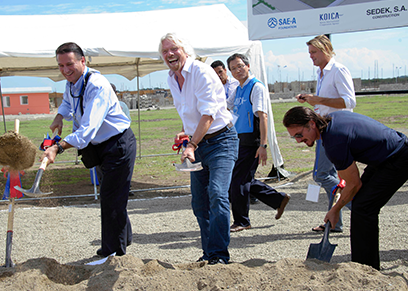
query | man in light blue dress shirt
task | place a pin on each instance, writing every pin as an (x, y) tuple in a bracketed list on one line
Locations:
[(98, 122)]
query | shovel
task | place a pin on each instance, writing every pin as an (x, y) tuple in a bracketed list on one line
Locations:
[(324, 250), (34, 191), (187, 166)]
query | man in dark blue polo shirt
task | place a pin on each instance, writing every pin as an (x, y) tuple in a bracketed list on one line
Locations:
[(349, 138)]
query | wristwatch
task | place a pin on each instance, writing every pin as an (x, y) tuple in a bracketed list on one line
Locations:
[(60, 148), (264, 146)]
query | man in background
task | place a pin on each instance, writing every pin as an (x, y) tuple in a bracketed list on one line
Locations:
[(334, 92), (249, 106), (229, 83)]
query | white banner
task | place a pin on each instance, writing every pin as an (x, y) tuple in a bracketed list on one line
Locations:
[(270, 19)]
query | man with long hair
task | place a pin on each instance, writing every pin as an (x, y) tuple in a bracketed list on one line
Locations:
[(349, 138)]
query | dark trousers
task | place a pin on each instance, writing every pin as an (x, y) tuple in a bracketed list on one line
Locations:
[(378, 185), (243, 185), (118, 158)]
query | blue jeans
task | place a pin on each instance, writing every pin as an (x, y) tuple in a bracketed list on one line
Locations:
[(327, 176), (209, 189)]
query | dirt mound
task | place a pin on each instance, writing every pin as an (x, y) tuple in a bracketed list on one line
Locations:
[(130, 273), (16, 151)]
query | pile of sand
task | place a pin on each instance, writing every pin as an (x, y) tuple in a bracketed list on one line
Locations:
[(16, 151), (130, 273)]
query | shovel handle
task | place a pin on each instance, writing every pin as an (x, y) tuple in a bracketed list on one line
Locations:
[(17, 125), (44, 163), (10, 221), (328, 224)]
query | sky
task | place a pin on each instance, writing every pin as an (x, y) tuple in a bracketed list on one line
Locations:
[(285, 59)]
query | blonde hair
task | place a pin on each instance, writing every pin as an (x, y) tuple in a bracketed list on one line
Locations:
[(322, 43), (187, 48)]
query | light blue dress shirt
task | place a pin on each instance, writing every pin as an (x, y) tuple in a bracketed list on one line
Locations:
[(103, 117)]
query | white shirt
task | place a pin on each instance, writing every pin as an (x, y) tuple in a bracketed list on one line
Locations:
[(202, 94), (336, 82), (257, 97), (230, 86), (103, 117)]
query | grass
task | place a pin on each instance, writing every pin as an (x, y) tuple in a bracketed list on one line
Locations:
[(159, 127)]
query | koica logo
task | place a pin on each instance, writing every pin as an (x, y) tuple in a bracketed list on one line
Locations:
[(329, 16)]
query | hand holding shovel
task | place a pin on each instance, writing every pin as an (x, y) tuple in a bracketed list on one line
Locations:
[(324, 250), (186, 166)]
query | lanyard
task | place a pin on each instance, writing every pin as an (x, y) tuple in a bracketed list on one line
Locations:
[(318, 144), (77, 97)]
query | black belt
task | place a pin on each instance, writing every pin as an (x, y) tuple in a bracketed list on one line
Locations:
[(210, 135)]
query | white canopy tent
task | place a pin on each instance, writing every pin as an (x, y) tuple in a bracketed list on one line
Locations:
[(126, 43)]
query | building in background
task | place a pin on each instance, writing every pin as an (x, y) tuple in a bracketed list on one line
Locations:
[(33, 100)]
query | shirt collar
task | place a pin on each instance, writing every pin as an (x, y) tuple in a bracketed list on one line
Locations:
[(247, 80), (78, 85), (328, 67)]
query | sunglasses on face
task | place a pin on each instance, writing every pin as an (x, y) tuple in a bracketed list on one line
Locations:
[(299, 135)]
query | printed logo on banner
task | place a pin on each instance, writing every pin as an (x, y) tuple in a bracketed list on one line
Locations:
[(330, 18), (282, 23), (386, 12)]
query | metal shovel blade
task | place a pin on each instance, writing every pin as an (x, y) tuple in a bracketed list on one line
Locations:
[(34, 191), (187, 166), (324, 250)]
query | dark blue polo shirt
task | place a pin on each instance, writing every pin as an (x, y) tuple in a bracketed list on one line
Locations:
[(354, 137)]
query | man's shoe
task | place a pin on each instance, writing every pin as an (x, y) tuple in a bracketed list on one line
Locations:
[(201, 259), (281, 209), (322, 227), (99, 252), (235, 228), (217, 260), (253, 200)]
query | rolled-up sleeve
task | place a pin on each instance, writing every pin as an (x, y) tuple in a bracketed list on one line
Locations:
[(345, 87)]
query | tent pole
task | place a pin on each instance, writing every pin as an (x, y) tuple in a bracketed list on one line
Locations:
[(138, 112), (2, 109)]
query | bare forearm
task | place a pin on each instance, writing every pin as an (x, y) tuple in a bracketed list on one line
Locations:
[(263, 126), (332, 102)]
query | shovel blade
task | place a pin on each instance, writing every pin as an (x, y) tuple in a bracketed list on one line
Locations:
[(35, 189), (321, 251), (187, 166), (324, 250), (32, 192)]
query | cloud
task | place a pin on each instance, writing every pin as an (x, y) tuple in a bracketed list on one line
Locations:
[(362, 61), (359, 61), (14, 9)]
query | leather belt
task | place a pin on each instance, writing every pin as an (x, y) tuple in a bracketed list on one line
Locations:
[(208, 136)]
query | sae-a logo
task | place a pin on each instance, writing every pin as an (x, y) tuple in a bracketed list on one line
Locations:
[(282, 23), (272, 22)]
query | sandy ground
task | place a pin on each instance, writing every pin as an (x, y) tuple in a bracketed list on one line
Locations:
[(51, 246)]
